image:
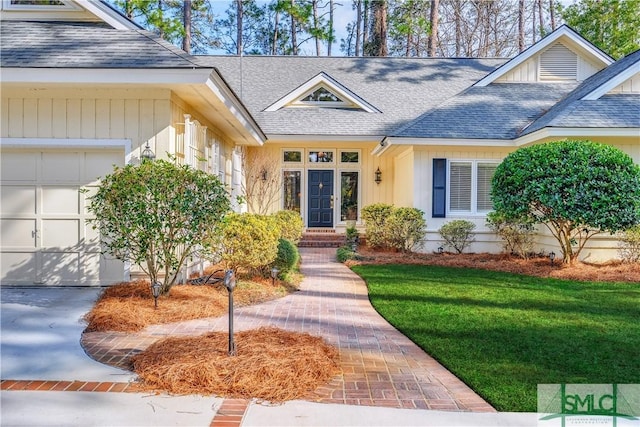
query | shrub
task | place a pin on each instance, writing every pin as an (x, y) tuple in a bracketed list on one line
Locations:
[(287, 257), (375, 217), (249, 241), (458, 234), (157, 214), (353, 236), (290, 224), (345, 253), (630, 244), (405, 229), (577, 189), (517, 234)]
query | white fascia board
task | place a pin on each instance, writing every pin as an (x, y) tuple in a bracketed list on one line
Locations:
[(332, 85), (323, 138), (108, 15), (551, 132), (220, 89), (141, 76), (563, 31), (613, 83), (454, 142)]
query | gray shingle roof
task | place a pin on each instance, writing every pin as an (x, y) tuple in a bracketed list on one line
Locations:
[(615, 110), (85, 45), (401, 88), (495, 111)]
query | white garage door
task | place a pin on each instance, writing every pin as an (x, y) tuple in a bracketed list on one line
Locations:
[(44, 239)]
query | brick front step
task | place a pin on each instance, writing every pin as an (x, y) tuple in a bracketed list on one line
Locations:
[(321, 240)]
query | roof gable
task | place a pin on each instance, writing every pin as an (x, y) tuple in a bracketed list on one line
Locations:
[(551, 59), (66, 10), (322, 91)]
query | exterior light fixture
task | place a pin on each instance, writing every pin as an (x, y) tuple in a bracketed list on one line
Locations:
[(263, 174), (440, 250), (230, 284), (147, 154), (155, 291), (552, 256), (378, 176), (274, 275)]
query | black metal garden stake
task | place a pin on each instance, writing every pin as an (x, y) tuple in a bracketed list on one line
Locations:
[(230, 284)]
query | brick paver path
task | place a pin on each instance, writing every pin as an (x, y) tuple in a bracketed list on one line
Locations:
[(381, 367)]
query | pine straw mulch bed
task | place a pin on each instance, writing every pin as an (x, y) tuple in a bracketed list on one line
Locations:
[(271, 364), (129, 306), (539, 266)]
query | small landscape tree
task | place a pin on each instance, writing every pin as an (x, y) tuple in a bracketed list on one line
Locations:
[(577, 189), (157, 214)]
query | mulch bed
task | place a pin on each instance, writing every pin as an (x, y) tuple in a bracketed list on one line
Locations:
[(271, 364), (539, 266)]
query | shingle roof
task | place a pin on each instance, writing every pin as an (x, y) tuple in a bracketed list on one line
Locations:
[(615, 110), (85, 45), (496, 111), (401, 88)]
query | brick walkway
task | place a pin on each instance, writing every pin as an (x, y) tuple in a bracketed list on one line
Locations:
[(381, 367)]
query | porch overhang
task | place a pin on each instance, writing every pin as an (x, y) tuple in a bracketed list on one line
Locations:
[(204, 89)]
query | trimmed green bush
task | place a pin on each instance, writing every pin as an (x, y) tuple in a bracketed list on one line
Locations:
[(345, 253), (249, 241), (517, 234), (405, 229), (288, 256), (630, 244), (458, 234), (375, 217), (290, 224)]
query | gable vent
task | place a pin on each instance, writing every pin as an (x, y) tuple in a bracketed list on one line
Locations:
[(558, 63)]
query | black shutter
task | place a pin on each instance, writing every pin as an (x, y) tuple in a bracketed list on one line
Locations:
[(439, 193)]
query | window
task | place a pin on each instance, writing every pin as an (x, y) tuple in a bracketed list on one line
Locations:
[(292, 156), (321, 95), (321, 156), (292, 181), (349, 196), (349, 157), (461, 187)]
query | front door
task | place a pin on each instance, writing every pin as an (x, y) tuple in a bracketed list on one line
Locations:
[(320, 196)]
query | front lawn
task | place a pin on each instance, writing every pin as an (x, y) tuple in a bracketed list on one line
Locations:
[(503, 334)]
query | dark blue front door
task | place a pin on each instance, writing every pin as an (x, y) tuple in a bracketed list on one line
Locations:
[(320, 196)]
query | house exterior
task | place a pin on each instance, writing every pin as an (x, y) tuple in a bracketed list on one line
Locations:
[(84, 88)]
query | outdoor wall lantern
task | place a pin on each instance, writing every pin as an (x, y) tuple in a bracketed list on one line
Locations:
[(440, 250), (378, 176), (147, 154), (230, 284), (274, 275), (552, 256), (155, 290), (263, 174)]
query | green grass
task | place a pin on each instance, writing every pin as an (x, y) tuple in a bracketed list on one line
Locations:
[(503, 334)]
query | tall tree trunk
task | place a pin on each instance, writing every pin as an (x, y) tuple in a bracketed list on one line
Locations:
[(378, 44), (160, 30), (533, 22), (358, 27), (294, 29), (520, 25), (276, 22), (432, 42), (365, 25), (186, 21), (239, 25), (541, 19), (330, 41), (457, 19), (552, 14), (128, 9), (314, 5)]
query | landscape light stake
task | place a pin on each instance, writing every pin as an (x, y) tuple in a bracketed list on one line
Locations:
[(155, 290), (440, 250), (274, 275), (552, 256), (230, 284)]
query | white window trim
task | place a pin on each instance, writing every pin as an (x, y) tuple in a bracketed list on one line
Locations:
[(320, 164), (302, 154), (303, 193), (339, 192), (474, 187), (348, 164)]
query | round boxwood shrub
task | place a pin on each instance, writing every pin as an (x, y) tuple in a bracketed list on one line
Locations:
[(288, 256)]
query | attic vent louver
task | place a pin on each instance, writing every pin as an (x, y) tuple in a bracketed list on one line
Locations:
[(558, 63)]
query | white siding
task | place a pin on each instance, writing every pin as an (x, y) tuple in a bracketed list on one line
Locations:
[(632, 85)]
